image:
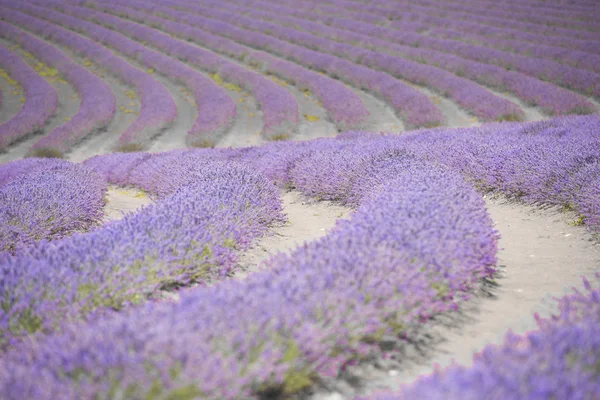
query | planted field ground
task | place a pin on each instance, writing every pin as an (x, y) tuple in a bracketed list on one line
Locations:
[(299, 199)]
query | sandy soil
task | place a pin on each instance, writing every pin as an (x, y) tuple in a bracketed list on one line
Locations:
[(542, 256), (308, 220), (455, 116), (382, 118), (173, 137), (121, 201), (531, 113), (104, 140)]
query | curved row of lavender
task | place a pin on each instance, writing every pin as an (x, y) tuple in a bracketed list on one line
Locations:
[(12, 170), (433, 51), (40, 103), (280, 109), (473, 25), (467, 13), (558, 360), (188, 236), (281, 329), (343, 106), (55, 200), (469, 95), (570, 77), (216, 110), (98, 102), (576, 21), (157, 106), (536, 17), (573, 57)]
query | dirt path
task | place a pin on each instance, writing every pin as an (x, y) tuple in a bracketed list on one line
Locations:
[(120, 201), (382, 118), (531, 113), (307, 220), (455, 116), (174, 136), (542, 255)]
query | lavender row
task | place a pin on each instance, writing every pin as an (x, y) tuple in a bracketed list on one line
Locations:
[(317, 309), (586, 82), (157, 106), (189, 235), (484, 13), (12, 170), (558, 360), (279, 107), (49, 204), (97, 107), (215, 109), (533, 14), (553, 162), (511, 19), (576, 58), (434, 10), (344, 107), (471, 96), (553, 100), (40, 103), (503, 33), (576, 12)]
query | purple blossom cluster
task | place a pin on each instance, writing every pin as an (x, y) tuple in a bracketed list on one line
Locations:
[(315, 310), (280, 109), (344, 107), (554, 100), (97, 100), (188, 236), (558, 360), (12, 170), (468, 94), (40, 103), (157, 106), (53, 201)]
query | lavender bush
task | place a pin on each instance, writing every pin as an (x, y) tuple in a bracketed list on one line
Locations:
[(190, 235), (39, 105), (559, 360), (51, 203)]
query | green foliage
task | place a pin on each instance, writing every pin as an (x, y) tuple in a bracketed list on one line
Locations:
[(46, 152), (279, 136), (130, 148)]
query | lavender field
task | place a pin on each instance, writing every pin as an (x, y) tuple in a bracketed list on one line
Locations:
[(299, 199)]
